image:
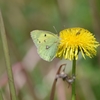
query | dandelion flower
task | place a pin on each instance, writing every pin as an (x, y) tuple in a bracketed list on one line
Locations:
[(75, 40)]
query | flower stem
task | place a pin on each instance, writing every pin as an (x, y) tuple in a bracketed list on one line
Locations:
[(7, 59), (73, 84)]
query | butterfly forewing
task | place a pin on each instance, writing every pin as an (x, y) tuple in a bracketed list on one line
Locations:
[(46, 43)]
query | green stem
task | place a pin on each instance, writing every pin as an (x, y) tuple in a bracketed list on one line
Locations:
[(73, 84), (1, 97), (7, 59)]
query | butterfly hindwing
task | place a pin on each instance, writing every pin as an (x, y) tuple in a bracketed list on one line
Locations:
[(48, 51)]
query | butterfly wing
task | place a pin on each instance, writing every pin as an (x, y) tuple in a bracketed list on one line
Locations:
[(46, 43)]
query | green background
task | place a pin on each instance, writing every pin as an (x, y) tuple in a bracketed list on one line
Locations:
[(35, 75)]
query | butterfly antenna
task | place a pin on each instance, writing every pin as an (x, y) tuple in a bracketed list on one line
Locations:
[(55, 29)]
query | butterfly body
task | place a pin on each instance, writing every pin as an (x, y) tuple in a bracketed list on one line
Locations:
[(46, 43)]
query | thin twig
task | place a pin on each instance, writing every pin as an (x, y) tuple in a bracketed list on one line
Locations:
[(54, 83)]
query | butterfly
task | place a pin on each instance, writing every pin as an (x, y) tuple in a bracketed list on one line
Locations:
[(46, 43)]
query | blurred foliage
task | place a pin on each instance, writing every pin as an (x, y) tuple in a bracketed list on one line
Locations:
[(22, 16)]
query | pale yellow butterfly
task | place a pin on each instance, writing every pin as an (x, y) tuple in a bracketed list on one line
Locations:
[(46, 43)]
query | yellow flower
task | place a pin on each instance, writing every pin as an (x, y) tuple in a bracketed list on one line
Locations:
[(75, 40)]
